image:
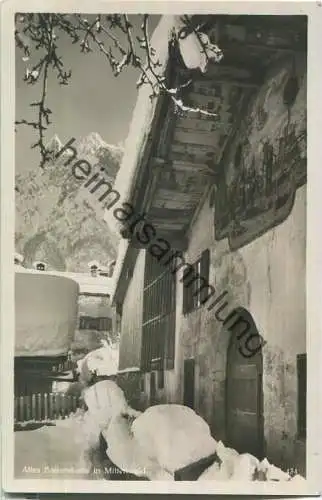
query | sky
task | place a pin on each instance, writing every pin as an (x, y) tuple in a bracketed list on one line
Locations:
[(94, 100)]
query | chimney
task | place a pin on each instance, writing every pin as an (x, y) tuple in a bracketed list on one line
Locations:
[(94, 267)]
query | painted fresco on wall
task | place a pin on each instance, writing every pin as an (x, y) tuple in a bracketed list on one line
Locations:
[(267, 161)]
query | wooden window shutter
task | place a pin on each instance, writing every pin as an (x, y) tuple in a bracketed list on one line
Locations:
[(170, 341), (204, 273), (187, 304), (185, 299), (301, 390)]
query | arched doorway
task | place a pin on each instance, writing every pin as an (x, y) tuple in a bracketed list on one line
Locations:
[(244, 390)]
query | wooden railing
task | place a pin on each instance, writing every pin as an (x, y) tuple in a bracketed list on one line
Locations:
[(45, 407)]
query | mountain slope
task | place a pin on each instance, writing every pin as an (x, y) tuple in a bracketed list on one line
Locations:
[(53, 222)]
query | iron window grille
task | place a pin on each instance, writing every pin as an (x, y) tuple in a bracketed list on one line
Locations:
[(158, 327)]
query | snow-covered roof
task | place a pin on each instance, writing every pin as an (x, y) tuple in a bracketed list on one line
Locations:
[(137, 141), (121, 256), (87, 284), (142, 120), (144, 116)]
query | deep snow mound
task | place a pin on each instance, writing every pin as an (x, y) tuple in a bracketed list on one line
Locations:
[(105, 400), (129, 454), (103, 361), (174, 434)]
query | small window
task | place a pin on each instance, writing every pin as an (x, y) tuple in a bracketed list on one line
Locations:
[(98, 324), (301, 396), (196, 283), (40, 266)]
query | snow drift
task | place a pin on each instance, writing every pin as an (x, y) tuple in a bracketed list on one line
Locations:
[(243, 467), (158, 442), (105, 400), (161, 440), (51, 452), (103, 361), (131, 455), (182, 437)]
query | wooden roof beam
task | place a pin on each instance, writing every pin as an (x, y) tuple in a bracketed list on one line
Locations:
[(160, 164), (223, 75), (177, 241)]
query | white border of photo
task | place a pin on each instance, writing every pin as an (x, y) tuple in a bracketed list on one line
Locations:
[(312, 486)]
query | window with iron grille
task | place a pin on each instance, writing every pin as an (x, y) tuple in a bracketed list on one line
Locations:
[(99, 324), (301, 395), (195, 279), (158, 328)]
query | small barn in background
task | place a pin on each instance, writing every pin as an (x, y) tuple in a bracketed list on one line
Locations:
[(58, 315)]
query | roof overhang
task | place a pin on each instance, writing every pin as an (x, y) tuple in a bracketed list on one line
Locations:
[(162, 174)]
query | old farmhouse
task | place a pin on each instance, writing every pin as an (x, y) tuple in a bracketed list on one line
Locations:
[(225, 194)]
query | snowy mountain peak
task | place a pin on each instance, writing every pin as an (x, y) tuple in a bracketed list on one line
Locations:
[(49, 204), (93, 144)]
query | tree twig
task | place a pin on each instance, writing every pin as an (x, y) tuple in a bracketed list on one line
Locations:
[(40, 31)]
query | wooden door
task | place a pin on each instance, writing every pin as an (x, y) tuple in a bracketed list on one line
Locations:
[(244, 398)]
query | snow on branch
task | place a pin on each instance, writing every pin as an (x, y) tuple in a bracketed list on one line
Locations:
[(119, 43)]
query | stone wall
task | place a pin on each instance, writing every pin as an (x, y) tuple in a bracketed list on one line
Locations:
[(267, 277)]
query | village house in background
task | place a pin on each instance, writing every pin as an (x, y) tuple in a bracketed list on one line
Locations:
[(96, 318), (228, 193)]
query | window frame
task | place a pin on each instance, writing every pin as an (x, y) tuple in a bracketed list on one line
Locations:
[(201, 268)]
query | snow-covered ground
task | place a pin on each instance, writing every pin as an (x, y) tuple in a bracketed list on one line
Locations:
[(166, 438), (153, 444), (102, 361), (53, 452), (243, 467)]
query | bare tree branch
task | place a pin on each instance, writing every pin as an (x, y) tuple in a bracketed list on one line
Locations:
[(113, 35)]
